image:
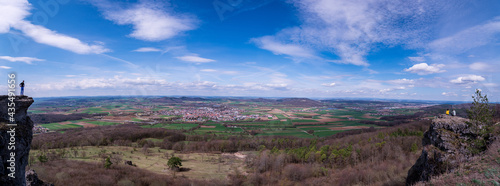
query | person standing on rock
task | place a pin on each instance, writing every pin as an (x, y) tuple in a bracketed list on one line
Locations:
[(22, 88), (447, 111), (453, 113)]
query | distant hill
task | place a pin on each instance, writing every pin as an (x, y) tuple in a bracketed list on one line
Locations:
[(177, 100), (302, 102)]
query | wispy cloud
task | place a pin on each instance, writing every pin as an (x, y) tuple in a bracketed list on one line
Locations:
[(425, 69), (194, 59), (480, 66), (278, 48), (5, 67), (151, 21), (417, 59), (469, 38), (352, 29), (27, 60)]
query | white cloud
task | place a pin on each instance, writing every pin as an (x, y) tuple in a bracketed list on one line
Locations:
[(479, 66), (424, 69), (150, 21), (278, 48), (328, 84), (147, 49), (11, 12), (467, 79), (27, 60), (195, 59), (12, 15), (5, 67)]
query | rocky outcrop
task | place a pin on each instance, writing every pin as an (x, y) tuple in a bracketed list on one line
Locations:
[(15, 141), (446, 145), (32, 179)]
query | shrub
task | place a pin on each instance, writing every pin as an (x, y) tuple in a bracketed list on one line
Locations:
[(174, 162)]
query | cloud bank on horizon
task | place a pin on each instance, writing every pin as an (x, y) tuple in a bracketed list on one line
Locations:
[(430, 50)]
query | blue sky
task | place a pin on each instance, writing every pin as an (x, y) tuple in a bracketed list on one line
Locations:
[(394, 49)]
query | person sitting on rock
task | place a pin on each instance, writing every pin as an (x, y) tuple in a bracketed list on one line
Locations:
[(22, 88), (447, 111), (453, 113)]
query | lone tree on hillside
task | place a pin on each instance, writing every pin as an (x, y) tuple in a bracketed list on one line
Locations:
[(480, 113), (174, 163), (481, 120), (107, 163)]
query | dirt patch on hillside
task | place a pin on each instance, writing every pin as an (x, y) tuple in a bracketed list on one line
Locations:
[(86, 125), (207, 126), (276, 111), (238, 155), (118, 118), (349, 127)]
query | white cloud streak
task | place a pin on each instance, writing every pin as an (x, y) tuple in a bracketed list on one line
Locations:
[(12, 15), (194, 59), (27, 60), (147, 49)]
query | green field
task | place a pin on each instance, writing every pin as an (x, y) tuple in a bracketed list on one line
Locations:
[(57, 126), (304, 120), (102, 123)]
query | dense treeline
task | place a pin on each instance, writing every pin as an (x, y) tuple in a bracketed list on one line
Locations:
[(379, 157), (53, 118), (363, 157)]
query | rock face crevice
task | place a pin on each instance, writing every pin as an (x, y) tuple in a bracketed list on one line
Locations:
[(22, 139), (446, 145)]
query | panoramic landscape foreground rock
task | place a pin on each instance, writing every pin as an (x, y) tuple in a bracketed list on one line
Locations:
[(15, 141), (445, 146)]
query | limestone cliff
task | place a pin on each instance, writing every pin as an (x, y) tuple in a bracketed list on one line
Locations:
[(15, 140), (445, 146)]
